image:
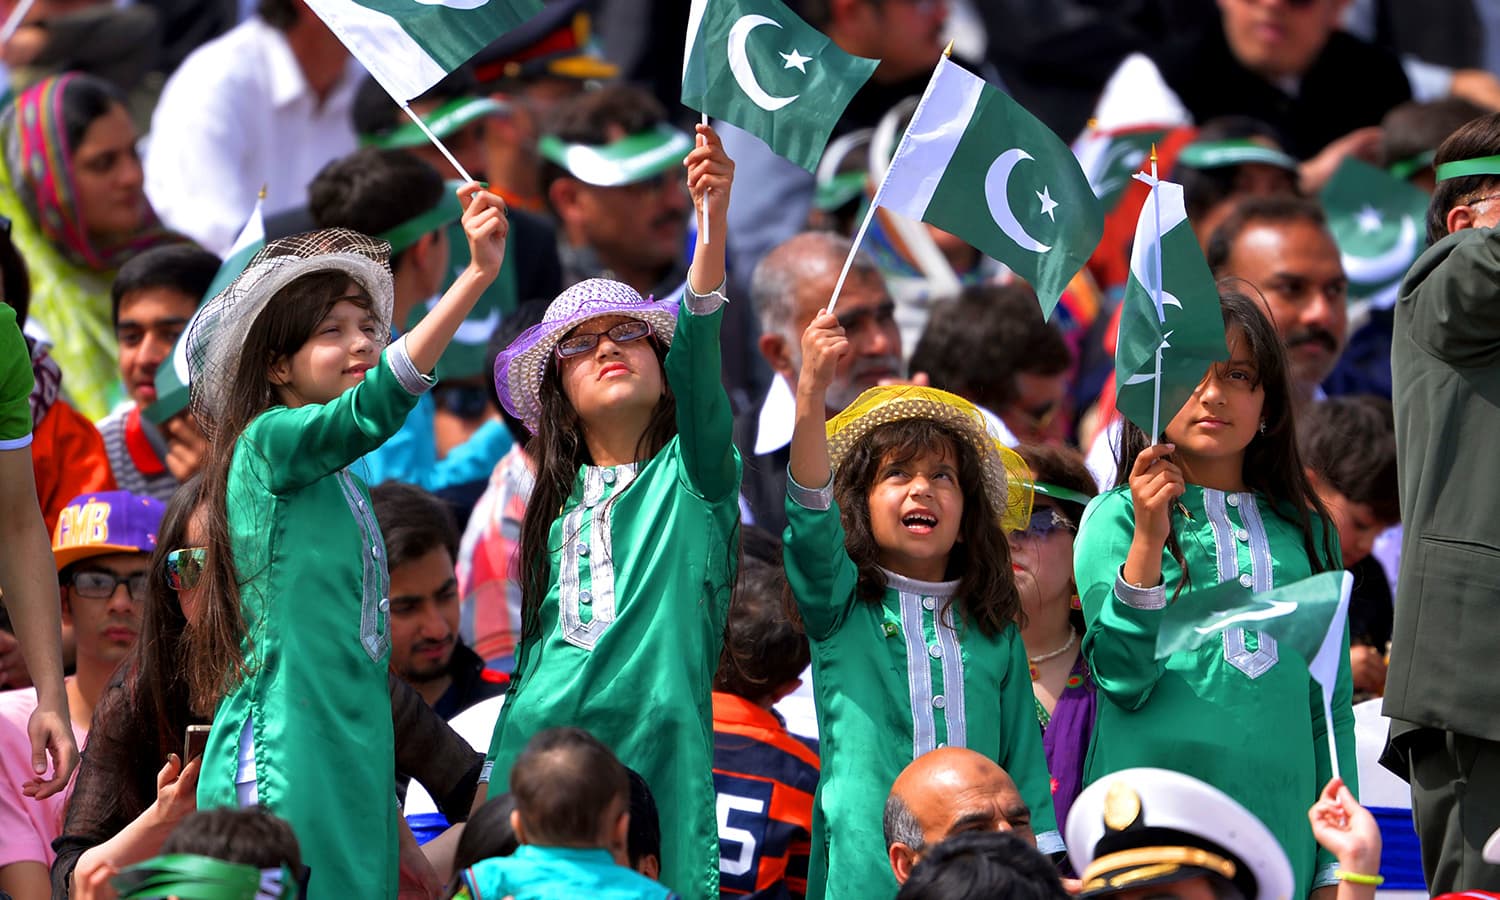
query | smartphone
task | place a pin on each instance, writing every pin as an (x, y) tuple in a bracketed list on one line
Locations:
[(194, 743)]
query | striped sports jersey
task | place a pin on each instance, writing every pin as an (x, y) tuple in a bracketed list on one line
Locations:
[(765, 778)]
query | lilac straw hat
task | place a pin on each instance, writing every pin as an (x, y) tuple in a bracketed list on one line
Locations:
[(520, 368)]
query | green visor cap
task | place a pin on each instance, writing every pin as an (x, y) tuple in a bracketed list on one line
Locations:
[(447, 211), (838, 190), (1483, 165), (1406, 168), (445, 121), (1220, 154), (628, 160), (1067, 495), (189, 877)]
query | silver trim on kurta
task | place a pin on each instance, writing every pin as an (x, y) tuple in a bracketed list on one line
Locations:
[(1139, 598), (914, 613), (703, 304), (406, 372), (599, 555), (918, 675), (1254, 663), (818, 499), (953, 676), (374, 625)]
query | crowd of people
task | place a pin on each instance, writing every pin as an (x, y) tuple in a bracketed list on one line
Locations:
[(613, 523)]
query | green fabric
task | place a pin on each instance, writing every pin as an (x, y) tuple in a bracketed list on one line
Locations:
[(644, 686), (1234, 152), (1445, 369), (72, 303), (1187, 324), (1404, 169), (628, 160), (449, 33), (1379, 223), (1484, 165), (868, 730), (444, 213), (444, 121), (1260, 739), (186, 876), (16, 383), (755, 64), (313, 579)]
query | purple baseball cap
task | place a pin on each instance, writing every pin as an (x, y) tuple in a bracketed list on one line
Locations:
[(519, 369), (106, 522)]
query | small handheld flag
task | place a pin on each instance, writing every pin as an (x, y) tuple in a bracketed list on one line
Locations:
[(1171, 329), (976, 164), (1307, 617), (410, 46)]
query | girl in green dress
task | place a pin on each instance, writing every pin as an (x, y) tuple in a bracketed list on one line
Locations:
[(897, 558), (630, 534), (289, 644), (1225, 497)]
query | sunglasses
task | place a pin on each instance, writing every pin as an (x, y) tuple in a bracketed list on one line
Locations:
[(579, 343), (101, 585), (1044, 521), (185, 567)]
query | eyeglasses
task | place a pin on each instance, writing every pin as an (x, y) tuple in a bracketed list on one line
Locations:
[(578, 344), (98, 585), (185, 567), (1483, 199), (1044, 521)]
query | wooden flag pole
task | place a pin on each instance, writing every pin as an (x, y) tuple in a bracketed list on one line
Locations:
[(442, 148)]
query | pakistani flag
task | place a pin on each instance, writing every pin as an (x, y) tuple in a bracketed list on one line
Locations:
[(409, 45), (976, 164), (1171, 305), (172, 375), (755, 64), (1111, 158), (1308, 617), (1379, 223)]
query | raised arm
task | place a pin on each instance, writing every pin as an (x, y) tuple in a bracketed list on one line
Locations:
[(485, 227), (705, 423)]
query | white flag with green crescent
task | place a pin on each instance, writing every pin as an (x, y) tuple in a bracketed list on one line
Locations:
[(976, 164), (410, 45)]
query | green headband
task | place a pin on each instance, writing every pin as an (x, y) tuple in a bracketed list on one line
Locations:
[(190, 877), (1406, 168), (838, 190), (628, 160), (1061, 493), (1484, 165), (1237, 152), (444, 121), (447, 211)]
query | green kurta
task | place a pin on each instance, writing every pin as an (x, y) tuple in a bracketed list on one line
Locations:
[(1235, 712), (892, 681), (313, 590), (633, 622)]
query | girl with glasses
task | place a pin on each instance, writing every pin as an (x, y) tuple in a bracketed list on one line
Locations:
[(1052, 625), (628, 543), (1224, 497)]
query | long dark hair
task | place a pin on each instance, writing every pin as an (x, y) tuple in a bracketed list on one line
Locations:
[(215, 661), (558, 449), (979, 560), (1272, 465)]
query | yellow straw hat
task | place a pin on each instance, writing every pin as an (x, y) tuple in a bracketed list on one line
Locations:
[(1007, 478)]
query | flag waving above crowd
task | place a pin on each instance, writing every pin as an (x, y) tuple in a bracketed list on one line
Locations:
[(409, 45), (757, 65), (1171, 329), (976, 164)]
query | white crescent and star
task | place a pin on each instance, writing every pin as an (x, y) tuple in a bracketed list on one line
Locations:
[(1274, 610), (744, 73), (996, 185), (1386, 266)]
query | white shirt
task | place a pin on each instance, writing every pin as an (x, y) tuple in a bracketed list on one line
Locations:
[(236, 115)]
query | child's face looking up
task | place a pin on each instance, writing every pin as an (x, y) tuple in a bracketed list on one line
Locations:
[(341, 348), (613, 379), (916, 512)]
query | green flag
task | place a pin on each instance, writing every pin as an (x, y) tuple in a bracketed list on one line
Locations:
[(172, 374), (1171, 305), (755, 64), (976, 164), (409, 45), (1110, 158), (1304, 616), (1379, 223)]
